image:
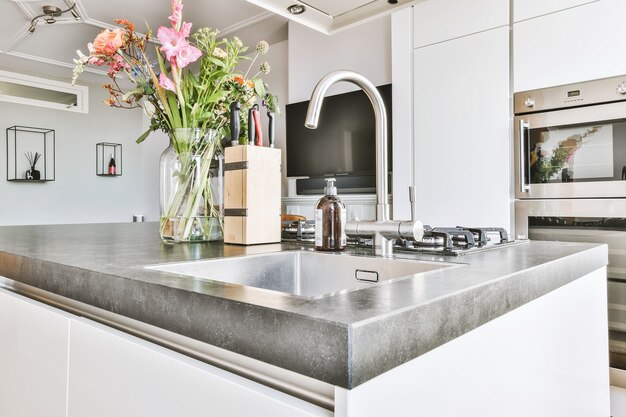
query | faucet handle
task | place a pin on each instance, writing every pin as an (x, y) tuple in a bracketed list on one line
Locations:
[(412, 201)]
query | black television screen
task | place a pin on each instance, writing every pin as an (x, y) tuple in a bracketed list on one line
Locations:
[(344, 141)]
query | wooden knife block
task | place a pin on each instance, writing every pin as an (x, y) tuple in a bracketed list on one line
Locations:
[(252, 194)]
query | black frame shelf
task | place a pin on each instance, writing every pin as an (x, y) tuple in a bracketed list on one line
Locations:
[(45, 145), (102, 162)]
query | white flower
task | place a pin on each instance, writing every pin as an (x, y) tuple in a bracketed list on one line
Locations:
[(219, 53), (237, 42), (262, 47), (148, 109), (265, 68)]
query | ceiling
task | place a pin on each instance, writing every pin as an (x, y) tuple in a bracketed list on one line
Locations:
[(49, 51)]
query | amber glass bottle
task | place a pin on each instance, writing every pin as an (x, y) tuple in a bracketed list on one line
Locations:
[(330, 220)]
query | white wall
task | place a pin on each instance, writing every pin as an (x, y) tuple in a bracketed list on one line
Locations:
[(365, 49), (277, 81), (78, 195)]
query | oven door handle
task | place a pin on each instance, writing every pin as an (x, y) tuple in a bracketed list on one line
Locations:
[(524, 126)]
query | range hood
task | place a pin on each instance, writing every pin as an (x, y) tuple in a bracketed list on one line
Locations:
[(331, 16)]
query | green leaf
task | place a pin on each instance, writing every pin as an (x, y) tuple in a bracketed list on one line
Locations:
[(216, 61), (145, 134), (259, 88)]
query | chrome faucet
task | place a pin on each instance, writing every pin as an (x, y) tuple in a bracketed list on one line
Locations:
[(383, 231)]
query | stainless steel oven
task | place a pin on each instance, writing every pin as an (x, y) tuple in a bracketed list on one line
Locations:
[(570, 141), (570, 173), (586, 220)]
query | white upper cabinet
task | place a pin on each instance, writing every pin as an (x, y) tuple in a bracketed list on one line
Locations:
[(577, 44), (527, 9), (441, 20), (461, 128)]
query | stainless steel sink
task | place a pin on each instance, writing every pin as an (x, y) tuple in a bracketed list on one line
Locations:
[(303, 274)]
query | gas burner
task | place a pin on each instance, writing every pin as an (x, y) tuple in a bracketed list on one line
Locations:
[(457, 240), (298, 231)]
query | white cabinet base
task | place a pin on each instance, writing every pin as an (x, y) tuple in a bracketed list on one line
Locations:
[(114, 374), (548, 358), (33, 358)]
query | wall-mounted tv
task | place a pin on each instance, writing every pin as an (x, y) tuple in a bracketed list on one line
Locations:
[(344, 141)]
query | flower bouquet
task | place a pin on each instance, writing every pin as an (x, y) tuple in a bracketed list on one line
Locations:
[(192, 107)]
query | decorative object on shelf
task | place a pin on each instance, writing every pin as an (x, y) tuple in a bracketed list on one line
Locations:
[(108, 159), (32, 173), (22, 140), (191, 205), (194, 110)]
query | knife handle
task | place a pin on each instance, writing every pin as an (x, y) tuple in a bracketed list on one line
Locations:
[(271, 128), (235, 124), (251, 127), (257, 127)]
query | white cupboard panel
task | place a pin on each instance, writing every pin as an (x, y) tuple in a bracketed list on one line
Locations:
[(33, 358), (441, 20), (547, 358), (527, 9), (114, 374), (583, 43), (461, 128)]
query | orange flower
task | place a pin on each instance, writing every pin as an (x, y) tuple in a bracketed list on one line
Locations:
[(108, 42), (130, 25), (239, 79)]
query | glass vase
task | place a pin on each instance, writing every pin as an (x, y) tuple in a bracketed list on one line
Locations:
[(191, 192)]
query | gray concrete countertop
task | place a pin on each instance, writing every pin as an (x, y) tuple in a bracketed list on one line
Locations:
[(344, 340)]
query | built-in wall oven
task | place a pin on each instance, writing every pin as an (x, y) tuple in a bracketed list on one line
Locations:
[(570, 178)]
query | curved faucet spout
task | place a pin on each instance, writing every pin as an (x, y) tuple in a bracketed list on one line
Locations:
[(380, 117)]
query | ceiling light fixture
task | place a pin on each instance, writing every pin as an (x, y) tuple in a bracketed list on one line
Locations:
[(49, 14), (296, 9)]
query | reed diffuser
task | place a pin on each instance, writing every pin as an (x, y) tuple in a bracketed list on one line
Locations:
[(32, 173)]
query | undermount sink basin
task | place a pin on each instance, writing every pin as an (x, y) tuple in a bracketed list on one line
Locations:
[(303, 274)]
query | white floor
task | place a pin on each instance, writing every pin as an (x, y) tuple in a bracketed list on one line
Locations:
[(618, 393)]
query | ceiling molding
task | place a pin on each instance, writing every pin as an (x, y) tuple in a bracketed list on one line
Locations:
[(245, 23), (52, 62)]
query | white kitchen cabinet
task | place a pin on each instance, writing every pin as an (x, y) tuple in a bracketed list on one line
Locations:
[(33, 358), (461, 131), (441, 20), (114, 374), (528, 9), (547, 358), (577, 44)]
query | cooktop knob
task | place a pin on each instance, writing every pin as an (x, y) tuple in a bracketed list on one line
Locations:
[(530, 102), (621, 89)]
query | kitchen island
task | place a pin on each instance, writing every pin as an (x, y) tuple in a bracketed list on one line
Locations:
[(524, 323)]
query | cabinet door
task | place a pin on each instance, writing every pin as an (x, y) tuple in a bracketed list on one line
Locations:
[(33, 358), (527, 9), (583, 43), (113, 374), (441, 20), (461, 128)]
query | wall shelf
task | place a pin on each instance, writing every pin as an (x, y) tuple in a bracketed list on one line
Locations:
[(23, 142), (105, 152)]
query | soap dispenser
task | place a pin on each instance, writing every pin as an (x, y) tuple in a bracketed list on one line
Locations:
[(330, 220)]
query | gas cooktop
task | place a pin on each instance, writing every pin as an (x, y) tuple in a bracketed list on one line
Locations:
[(443, 241)]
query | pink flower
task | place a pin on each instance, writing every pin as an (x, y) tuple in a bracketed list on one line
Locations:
[(166, 83), (94, 60), (177, 9), (108, 42), (174, 43), (187, 55)]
